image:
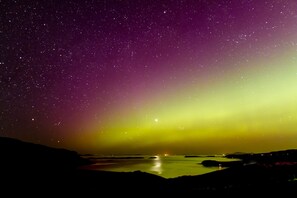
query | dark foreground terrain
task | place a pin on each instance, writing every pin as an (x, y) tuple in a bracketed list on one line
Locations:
[(40, 171)]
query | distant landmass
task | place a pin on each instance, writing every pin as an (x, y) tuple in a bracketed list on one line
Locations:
[(276, 158), (289, 156), (34, 170)]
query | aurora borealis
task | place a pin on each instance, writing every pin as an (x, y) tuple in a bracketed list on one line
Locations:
[(150, 76)]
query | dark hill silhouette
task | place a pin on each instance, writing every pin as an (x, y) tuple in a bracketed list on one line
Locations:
[(34, 170), (16, 153)]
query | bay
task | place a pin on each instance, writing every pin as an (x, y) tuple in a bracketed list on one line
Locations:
[(165, 166)]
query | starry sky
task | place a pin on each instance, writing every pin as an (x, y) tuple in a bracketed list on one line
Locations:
[(133, 76)]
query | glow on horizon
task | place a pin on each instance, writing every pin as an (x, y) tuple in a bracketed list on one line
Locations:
[(246, 110)]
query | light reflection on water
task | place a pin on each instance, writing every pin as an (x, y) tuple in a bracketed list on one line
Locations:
[(165, 166), (157, 165)]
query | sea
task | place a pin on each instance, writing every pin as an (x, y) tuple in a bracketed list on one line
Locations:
[(167, 166)]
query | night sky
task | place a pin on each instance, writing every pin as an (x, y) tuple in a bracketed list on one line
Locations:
[(143, 76)]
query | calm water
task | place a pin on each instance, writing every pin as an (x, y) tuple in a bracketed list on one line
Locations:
[(165, 166)]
